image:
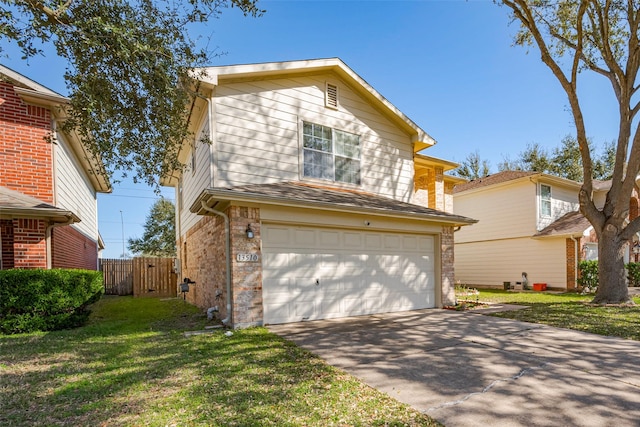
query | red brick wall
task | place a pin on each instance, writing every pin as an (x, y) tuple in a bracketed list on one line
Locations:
[(6, 237), (26, 156), (29, 243), (571, 261), (72, 249), (203, 261), (246, 276)]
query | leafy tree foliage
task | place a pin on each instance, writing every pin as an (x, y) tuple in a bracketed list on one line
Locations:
[(564, 161), (159, 237), (600, 36), (128, 63), (472, 167)]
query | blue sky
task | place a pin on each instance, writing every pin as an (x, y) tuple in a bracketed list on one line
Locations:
[(450, 66)]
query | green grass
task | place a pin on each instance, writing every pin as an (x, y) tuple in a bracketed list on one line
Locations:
[(132, 365), (569, 310)]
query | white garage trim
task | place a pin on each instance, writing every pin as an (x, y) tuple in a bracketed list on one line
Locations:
[(317, 273)]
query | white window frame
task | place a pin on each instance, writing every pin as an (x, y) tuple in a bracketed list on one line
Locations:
[(333, 154), (542, 201)]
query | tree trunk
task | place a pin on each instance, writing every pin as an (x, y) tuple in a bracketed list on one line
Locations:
[(612, 286)]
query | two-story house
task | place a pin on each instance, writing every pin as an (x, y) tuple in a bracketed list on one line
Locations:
[(298, 200), (527, 222), (48, 182)]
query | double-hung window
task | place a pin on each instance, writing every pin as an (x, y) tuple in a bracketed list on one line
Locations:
[(330, 154), (545, 200)]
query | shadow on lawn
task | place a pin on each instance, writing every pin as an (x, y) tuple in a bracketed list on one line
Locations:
[(132, 365)]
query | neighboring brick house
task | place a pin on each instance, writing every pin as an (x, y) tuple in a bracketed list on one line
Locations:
[(48, 182), (303, 198), (527, 222)]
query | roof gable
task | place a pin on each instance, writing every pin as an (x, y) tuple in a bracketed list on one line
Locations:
[(214, 76)]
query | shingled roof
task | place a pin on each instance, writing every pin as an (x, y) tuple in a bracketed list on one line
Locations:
[(493, 179), (570, 224), (16, 204), (297, 194)]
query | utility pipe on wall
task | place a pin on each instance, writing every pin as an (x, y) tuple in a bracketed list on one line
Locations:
[(227, 244)]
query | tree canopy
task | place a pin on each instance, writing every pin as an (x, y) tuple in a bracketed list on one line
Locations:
[(564, 160), (473, 167), (127, 73), (602, 37), (159, 237)]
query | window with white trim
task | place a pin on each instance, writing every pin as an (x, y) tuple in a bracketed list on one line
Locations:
[(545, 200), (330, 154)]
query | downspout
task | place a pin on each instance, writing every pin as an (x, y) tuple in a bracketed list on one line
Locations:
[(226, 320), (575, 257)]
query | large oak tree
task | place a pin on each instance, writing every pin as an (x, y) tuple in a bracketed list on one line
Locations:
[(599, 36), (128, 63)]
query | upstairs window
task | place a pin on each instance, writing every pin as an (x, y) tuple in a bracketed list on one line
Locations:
[(330, 154), (545, 200)]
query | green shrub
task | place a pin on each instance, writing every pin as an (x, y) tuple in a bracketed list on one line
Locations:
[(588, 274), (46, 300), (633, 273)]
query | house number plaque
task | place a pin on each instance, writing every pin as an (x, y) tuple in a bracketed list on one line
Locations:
[(247, 257)]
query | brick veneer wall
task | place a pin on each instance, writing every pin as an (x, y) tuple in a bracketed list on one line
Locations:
[(202, 260), (72, 249), (246, 276), (26, 154), (29, 243), (6, 237), (571, 261), (447, 269)]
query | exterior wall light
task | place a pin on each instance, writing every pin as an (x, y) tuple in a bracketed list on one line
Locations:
[(249, 232)]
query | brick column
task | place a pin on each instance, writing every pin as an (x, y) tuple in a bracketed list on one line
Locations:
[(571, 261), (246, 274), (447, 269)]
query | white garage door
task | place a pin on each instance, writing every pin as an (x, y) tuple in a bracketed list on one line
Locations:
[(317, 273)]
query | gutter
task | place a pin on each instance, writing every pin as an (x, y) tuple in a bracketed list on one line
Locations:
[(229, 195), (227, 242)]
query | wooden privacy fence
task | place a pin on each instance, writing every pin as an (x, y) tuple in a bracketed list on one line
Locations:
[(117, 275), (140, 277)]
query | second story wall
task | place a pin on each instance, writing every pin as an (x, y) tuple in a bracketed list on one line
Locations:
[(503, 211), (25, 154), (73, 189), (196, 174), (258, 134), (563, 200)]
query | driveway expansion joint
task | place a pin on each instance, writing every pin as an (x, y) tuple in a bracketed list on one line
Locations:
[(515, 377)]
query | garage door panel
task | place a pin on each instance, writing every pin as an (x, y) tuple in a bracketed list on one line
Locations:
[(314, 273)]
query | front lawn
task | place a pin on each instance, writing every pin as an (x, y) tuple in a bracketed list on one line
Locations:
[(132, 365), (569, 310)]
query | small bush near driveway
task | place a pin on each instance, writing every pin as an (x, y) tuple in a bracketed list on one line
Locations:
[(132, 365)]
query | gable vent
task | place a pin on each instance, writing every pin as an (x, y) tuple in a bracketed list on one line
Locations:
[(331, 96)]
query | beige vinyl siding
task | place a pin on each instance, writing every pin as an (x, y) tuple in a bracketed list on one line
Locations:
[(194, 182), (490, 263), (563, 201), (258, 140), (73, 189), (503, 212)]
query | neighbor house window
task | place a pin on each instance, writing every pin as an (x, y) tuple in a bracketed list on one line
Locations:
[(545, 200), (331, 154)]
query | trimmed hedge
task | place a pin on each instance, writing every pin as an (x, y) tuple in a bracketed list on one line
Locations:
[(589, 273), (46, 300)]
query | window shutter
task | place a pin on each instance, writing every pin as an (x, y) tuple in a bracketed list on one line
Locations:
[(331, 96)]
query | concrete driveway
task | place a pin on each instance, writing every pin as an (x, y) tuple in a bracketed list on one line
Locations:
[(466, 369)]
